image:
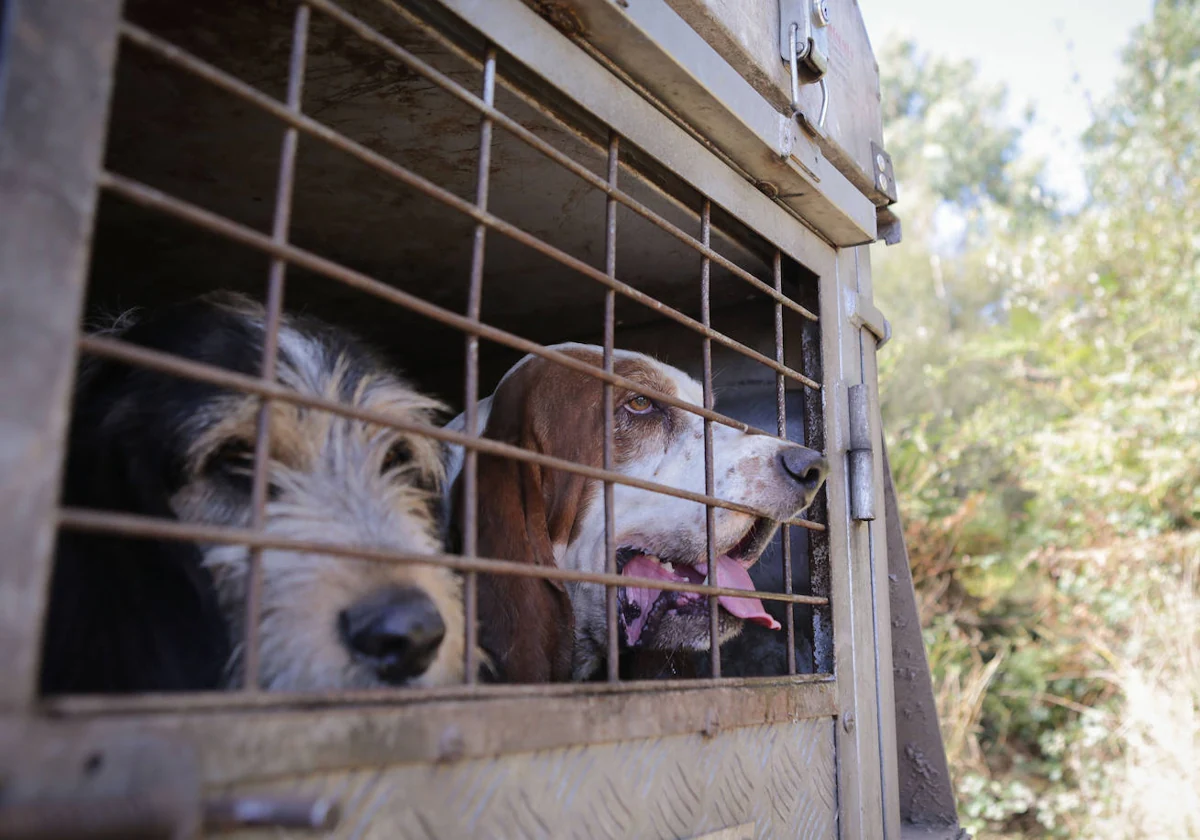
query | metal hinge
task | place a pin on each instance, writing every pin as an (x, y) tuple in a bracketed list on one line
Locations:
[(71, 780), (862, 457)]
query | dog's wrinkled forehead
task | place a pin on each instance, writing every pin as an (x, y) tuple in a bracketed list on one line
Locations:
[(534, 374)]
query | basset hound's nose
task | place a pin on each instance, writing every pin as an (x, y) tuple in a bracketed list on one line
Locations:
[(396, 630), (807, 467)]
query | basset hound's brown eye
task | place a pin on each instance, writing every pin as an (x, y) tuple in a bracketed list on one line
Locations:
[(399, 454), (639, 404)]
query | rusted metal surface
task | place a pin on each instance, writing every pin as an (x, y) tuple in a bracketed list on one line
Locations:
[(781, 429), (59, 60), (108, 522), (154, 199), (470, 474), (272, 321), (714, 621), (240, 744), (167, 363), (612, 648), (207, 703)]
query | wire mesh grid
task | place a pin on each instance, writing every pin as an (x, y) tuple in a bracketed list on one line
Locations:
[(284, 255)]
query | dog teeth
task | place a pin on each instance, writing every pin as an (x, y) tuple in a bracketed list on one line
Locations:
[(670, 567)]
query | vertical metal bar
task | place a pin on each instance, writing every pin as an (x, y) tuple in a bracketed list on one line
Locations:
[(58, 77), (714, 618), (781, 424), (610, 314), (470, 474), (274, 315)]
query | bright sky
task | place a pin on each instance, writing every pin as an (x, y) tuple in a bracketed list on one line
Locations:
[(1059, 55)]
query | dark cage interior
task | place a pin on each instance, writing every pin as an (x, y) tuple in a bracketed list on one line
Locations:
[(387, 186)]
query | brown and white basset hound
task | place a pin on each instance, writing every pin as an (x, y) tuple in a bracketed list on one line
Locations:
[(537, 630)]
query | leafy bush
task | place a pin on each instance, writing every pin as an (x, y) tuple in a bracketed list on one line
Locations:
[(1042, 402)]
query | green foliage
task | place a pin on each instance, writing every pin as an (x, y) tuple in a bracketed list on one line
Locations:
[(1042, 399)]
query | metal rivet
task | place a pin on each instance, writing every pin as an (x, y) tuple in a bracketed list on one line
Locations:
[(883, 181), (767, 188), (848, 722), (881, 162)]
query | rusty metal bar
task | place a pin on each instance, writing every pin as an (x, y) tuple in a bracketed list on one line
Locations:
[(165, 362), (95, 706), (610, 317), (149, 197), (134, 525), (781, 420), (270, 352), (714, 615), (373, 36), (230, 84), (470, 491)]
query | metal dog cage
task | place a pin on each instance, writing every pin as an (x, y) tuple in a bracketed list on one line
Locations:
[(652, 175)]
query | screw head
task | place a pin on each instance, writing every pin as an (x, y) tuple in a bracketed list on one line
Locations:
[(881, 162), (821, 12)]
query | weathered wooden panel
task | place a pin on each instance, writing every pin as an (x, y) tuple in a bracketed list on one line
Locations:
[(778, 778), (747, 36)]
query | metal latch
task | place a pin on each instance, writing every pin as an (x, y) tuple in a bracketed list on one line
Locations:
[(65, 780), (862, 313), (862, 462), (804, 45)]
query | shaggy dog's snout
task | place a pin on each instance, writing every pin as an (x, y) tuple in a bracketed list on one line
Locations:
[(395, 631)]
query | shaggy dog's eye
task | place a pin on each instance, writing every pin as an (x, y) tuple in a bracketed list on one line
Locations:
[(233, 464), (234, 457), (398, 455), (639, 404)]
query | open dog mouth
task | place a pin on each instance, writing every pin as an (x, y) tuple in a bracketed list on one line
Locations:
[(642, 609)]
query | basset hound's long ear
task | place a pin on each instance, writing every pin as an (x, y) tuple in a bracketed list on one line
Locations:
[(526, 624)]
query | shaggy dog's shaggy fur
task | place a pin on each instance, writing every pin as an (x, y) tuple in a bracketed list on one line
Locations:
[(156, 615)]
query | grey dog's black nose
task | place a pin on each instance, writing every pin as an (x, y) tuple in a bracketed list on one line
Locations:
[(805, 466), (397, 630)]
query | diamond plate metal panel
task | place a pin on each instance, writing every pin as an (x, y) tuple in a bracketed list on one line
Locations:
[(780, 778)]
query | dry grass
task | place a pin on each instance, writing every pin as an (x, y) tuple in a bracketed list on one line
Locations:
[(1153, 790)]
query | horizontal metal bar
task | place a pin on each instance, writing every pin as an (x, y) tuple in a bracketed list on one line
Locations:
[(149, 527), (165, 362), (231, 84), (373, 36), (90, 705), (243, 747)]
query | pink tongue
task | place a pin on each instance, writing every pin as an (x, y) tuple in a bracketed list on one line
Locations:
[(730, 574), (643, 567), (733, 575)]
